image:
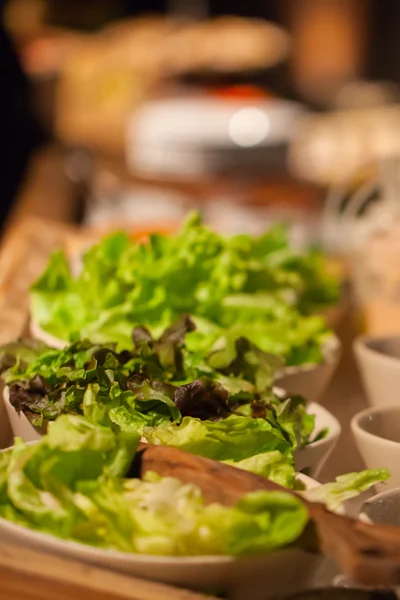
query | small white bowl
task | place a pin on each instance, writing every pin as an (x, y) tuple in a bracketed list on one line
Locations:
[(39, 333), (377, 435), (254, 578), (6, 434), (384, 508), (379, 362), (309, 459), (20, 425), (312, 458), (309, 381)]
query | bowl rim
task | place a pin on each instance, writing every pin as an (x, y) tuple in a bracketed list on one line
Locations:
[(362, 516), (334, 430), (39, 333), (126, 557), (376, 497), (358, 430), (80, 549), (331, 349), (361, 347)]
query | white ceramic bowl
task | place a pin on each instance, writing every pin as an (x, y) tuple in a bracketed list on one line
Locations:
[(20, 425), (379, 362), (309, 459), (309, 381), (377, 435), (253, 578), (384, 508), (42, 335), (6, 434), (312, 458)]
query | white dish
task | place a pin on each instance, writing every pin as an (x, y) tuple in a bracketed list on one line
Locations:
[(310, 459), (384, 509), (253, 578), (313, 457), (309, 381), (40, 334), (6, 434), (20, 425), (379, 362), (181, 136), (377, 435)]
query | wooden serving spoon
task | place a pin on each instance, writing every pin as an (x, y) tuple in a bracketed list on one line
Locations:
[(369, 554)]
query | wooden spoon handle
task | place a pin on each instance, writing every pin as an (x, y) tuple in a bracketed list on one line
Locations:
[(369, 554), (218, 482)]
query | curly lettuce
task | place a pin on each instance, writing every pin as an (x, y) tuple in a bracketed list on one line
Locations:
[(253, 287), (221, 406)]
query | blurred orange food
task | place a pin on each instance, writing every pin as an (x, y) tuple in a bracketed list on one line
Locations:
[(137, 233), (241, 92), (87, 237), (46, 54)]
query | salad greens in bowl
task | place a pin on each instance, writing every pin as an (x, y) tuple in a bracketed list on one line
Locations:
[(222, 406), (242, 286), (76, 492)]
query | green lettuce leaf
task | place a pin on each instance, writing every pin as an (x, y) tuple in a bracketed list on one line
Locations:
[(67, 485), (40, 478), (234, 438), (272, 465), (244, 286), (221, 406), (74, 483), (292, 417), (157, 382), (345, 487)]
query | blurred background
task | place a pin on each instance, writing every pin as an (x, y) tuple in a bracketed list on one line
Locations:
[(118, 113)]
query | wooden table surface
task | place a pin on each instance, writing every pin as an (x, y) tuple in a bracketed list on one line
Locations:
[(46, 190), (26, 574), (345, 397)]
